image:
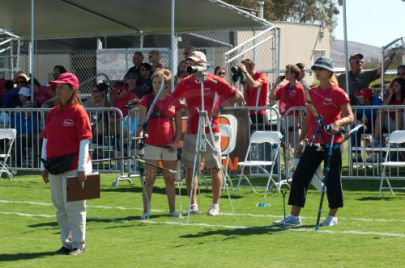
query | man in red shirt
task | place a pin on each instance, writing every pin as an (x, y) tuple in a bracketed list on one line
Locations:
[(215, 90), (255, 91)]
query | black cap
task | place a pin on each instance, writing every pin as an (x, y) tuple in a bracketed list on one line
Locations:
[(357, 55)]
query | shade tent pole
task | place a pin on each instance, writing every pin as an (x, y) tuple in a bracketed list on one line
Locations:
[(346, 47), (32, 49), (173, 56)]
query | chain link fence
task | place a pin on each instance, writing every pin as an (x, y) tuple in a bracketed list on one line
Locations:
[(109, 57)]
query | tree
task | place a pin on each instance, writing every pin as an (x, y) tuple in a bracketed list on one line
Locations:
[(304, 11)]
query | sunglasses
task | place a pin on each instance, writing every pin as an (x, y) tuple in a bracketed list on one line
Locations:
[(223, 73), (20, 81), (318, 69), (358, 61)]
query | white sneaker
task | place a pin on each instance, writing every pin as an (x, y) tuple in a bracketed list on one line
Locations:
[(193, 209), (330, 221), (290, 220), (213, 211), (175, 214), (145, 216)]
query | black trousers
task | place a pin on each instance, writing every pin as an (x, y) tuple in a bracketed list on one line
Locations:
[(309, 163)]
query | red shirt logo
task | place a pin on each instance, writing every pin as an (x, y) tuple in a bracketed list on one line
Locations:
[(327, 101), (68, 123)]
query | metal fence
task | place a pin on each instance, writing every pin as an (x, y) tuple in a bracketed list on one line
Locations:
[(109, 137), (114, 137), (365, 149)]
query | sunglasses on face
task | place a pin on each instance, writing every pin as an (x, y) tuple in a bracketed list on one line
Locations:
[(20, 81), (222, 73)]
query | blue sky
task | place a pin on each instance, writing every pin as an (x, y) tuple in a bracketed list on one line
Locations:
[(373, 22)]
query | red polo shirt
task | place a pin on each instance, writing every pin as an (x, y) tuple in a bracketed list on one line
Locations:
[(120, 103), (290, 96), (327, 103), (64, 128), (258, 96), (160, 128), (216, 89)]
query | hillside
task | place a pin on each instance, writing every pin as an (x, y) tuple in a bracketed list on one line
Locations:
[(337, 51)]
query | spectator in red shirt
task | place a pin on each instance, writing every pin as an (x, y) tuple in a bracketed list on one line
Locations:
[(67, 133), (290, 95), (390, 119), (333, 105), (189, 89), (163, 135), (121, 98), (41, 93), (255, 91)]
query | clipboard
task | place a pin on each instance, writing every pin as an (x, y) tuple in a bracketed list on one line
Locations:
[(89, 190)]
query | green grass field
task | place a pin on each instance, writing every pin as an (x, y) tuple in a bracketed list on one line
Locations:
[(371, 232)]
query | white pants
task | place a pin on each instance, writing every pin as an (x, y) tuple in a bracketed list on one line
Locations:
[(71, 216)]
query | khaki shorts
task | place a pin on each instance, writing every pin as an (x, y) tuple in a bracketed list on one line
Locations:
[(159, 153), (212, 156)]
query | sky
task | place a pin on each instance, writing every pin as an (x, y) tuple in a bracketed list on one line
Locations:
[(373, 22)]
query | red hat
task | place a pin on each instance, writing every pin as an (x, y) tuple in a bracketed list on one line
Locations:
[(66, 78), (365, 92)]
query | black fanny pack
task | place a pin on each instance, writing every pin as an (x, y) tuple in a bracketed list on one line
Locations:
[(59, 164)]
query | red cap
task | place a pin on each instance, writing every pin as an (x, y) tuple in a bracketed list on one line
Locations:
[(365, 92), (66, 78)]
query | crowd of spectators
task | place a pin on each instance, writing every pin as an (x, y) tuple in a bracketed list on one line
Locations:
[(287, 91)]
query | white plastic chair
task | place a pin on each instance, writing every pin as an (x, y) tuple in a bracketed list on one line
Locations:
[(395, 138), (227, 149), (8, 134), (258, 137)]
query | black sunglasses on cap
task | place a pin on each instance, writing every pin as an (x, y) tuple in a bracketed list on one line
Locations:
[(316, 68)]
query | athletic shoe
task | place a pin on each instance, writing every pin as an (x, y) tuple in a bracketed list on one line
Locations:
[(213, 211), (76, 251), (330, 221), (145, 216), (290, 220), (63, 251), (193, 209), (175, 214)]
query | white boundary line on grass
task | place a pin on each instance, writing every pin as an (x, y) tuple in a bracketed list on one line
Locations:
[(222, 214), (231, 227), (277, 228)]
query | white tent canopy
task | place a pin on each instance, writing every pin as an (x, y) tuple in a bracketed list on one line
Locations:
[(74, 18)]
